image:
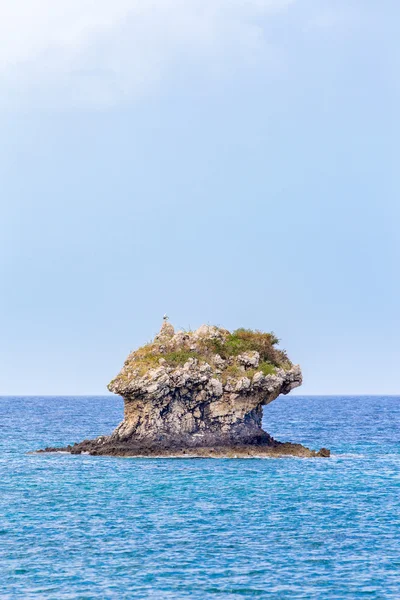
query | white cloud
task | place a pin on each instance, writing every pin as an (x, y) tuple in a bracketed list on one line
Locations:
[(102, 51)]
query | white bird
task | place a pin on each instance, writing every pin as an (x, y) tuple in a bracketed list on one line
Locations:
[(165, 317)]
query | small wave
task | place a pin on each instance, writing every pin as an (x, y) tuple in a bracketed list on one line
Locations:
[(347, 455)]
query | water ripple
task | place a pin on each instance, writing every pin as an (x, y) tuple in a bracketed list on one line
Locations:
[(88, 527)]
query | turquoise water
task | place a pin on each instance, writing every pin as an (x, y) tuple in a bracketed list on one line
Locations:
[(88, 527)]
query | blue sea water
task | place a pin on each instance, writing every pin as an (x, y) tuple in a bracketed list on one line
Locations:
[(97, 527)]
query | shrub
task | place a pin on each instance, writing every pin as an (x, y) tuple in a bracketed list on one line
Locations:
[(245, 340), (266, 368), (179, 357)]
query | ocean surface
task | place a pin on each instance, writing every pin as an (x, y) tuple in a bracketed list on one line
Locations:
[(95, 527)]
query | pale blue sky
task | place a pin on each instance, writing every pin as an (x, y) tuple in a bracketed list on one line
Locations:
[(228, 162)]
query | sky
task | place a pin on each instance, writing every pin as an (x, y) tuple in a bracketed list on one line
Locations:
[(233, 162)]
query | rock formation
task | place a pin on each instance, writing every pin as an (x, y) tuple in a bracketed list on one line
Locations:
[(200, 393)]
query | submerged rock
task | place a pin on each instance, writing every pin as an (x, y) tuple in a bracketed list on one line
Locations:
[(200, 393)]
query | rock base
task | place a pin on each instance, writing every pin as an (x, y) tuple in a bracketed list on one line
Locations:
[(109, 447)]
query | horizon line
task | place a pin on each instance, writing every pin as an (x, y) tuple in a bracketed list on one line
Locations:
[(111, 395)]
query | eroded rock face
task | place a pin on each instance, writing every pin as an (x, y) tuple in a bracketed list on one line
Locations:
[(202, 402)]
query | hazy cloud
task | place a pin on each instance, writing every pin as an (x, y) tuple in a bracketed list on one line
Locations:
[(100, 52)]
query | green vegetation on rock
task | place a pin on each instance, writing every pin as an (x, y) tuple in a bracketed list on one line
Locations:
[(246, 340), (179, 357), (225, 352)]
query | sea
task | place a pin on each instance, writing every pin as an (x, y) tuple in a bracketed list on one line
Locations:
[(87, 527)]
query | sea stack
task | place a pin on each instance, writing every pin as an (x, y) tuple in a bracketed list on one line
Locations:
[(200, 393)]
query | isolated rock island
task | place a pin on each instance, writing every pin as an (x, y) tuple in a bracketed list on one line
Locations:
[(200, 393)]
